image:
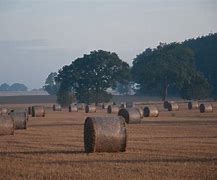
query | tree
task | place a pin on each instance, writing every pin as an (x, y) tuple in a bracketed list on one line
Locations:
[(4, 87), (51, 86), (205, 49), (166, 66), (18, 87), (90, 76), (198, 88)]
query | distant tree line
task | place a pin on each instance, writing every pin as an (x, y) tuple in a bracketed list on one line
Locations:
[(187, 69), (13, 87)]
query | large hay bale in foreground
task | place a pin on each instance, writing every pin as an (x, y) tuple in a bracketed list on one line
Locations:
[(6, 125), (205, 108), (173, 107), (38, 111), (20, 118), (131, 115), (150, 111), (4, 111), (193, 105), (73, 108), (57, 107), (105, 134), (90, 108), (113, 109)]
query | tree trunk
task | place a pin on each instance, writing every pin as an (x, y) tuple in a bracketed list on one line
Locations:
[(165, 91)]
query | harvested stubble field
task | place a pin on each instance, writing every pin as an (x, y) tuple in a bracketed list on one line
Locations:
[(175, 145)]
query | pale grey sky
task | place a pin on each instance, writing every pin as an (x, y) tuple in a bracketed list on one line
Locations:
[(40, 36)]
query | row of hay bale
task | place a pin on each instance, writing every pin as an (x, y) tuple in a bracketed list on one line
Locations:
[(192, 105), (11, 120), (14, 120), (109, 134)]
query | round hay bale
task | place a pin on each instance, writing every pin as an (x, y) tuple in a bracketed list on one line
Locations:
[(105, 105), (81, 106), (4, 111), (105, 134), (193, 105), (113, 109), (57, 107), (6, 125), (129, 104), (173, 107), (140, 109), (90, 108), (30, 110), (38, 111), (73, 108), (123, 105), (131, 115), (20, 118), (205, 108), (150, 111)]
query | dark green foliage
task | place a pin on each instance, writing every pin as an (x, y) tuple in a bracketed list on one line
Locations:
[(13, 87), (5, 87), (198, 88), (90, 76), (205, 49), (50, 84), (167, 66)]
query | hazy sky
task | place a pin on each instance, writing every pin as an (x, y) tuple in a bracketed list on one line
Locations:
[(40, 36)]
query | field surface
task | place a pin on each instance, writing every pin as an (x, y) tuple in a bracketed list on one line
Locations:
[(175, 145)]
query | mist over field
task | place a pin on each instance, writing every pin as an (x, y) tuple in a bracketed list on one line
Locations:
[(39, 37)]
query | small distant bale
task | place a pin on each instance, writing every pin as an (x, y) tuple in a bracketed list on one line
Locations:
[(131, 115), (105, 105), (206, 108), (173, 107), (57, 107), (73, 108), (20, 118), (90, 108), (81, 106), (129, 104), (113, 109), (122, 105), (150, 111), (38, 111), (4, 111), (6, 125), (193, 105), (105, 134)]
